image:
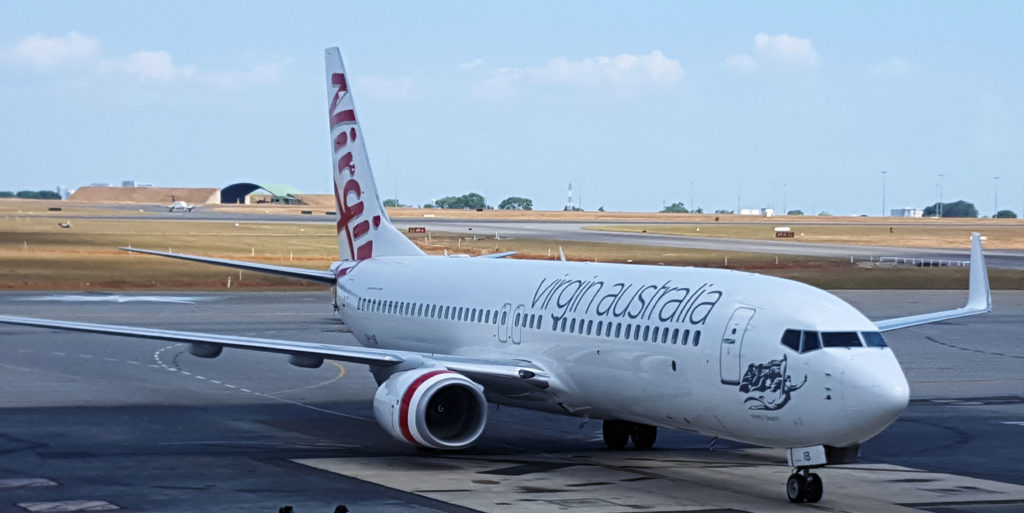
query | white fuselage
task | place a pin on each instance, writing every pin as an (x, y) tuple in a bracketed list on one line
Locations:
[(684, 348)]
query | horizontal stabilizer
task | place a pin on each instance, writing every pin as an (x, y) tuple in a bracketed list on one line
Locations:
[(290, 272)]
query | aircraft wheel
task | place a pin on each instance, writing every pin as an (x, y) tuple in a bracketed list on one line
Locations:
[(616, 434), (796, 488), (643, 436), (815, 488)]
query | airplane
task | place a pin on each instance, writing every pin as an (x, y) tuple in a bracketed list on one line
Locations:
[(180, 205), (729, 354)]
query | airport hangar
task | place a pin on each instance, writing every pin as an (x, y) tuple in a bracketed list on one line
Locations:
[(241, 193)]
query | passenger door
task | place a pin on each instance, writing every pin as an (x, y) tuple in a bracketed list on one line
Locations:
[(732, 344)]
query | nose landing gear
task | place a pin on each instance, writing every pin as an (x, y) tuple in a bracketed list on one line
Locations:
[(804, 486)]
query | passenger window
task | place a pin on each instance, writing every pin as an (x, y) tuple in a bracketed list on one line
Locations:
[(572, 326), (664, 335), (840, 339), (647, 330), (791, 339), (618, 330), (636, 332), (873, 339), (504, 317), (487, 316), (675, 335), (448, 312), (517, 319), (686, 337), (590, 324), (655, 335), (629, 331), (811, 342), (600, 327), (563, 325), (696, 338)]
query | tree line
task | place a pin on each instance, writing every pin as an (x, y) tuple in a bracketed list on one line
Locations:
[(30, 194), (470, 201)]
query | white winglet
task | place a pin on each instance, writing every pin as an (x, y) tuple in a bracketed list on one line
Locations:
[(979, 296)]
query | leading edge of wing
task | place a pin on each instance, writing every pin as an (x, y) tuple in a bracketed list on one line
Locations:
[(517, 370), (290, 272), (979, 296)]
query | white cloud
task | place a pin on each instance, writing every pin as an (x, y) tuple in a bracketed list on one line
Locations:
[(151, 65), (471, 64), (740, 63), (47, 52), (782, 50), (383, 87), (892, 67), (623, 70), (785, 49)]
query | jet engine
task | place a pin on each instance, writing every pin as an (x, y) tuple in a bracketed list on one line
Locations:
[(434, 408)]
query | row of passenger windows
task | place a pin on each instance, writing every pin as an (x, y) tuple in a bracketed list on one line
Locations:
[(627, 331), (807, 341), (447, 312), (601, 328)]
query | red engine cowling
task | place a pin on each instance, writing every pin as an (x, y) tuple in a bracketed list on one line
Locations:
[(434, 408)]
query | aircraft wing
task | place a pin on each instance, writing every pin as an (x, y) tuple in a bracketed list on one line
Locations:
[(979, 296), (484, 370), (290, 272)]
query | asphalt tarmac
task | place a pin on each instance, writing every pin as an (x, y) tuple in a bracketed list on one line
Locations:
[(90, 422)]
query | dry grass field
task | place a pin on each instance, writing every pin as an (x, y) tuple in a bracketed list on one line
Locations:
[(37, 254), (1000, 234)]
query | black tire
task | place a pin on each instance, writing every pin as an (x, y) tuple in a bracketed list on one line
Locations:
[(616, 434), (643, 436), (815, 488), (796, 488)]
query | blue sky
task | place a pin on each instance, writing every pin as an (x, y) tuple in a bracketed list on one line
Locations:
[(795, 104)]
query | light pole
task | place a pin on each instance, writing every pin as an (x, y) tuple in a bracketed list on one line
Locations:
[(995, 202), (883, 192), (940, 193)]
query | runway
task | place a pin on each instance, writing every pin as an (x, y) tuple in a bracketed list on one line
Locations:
[(577, 231), (88, 421)]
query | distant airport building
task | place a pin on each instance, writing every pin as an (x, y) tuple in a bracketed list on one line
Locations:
[(760, 212), (906, 212), (242, 193), (157, 195)]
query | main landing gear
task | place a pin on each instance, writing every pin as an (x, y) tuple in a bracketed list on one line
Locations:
[(619, 432), (804, 486)]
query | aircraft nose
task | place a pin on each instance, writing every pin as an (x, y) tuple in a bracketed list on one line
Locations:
[(875, 392)]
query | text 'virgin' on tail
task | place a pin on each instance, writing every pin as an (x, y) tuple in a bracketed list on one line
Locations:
[(364, 230)]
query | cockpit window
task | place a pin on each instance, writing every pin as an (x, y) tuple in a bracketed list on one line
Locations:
[(791, 339), (840, 339), (873, 339), (811, 342)]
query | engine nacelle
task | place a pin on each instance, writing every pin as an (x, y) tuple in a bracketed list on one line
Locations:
[(434, 408), (205, 350)]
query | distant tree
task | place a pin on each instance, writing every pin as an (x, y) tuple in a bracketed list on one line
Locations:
[(824, 213), (516, 203), (699, 210), (959, 208), (429, 205), (675, 208), (472, 201), (571, 208), (6, 194), (723, 211), (1006, 214), (38, 195), (601, 208), (393, 202), (795, 213)]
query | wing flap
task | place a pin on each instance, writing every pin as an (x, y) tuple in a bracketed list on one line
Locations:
[(979, 296), (495, 370)]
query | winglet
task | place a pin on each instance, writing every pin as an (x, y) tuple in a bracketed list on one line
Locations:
[(979, 296)]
